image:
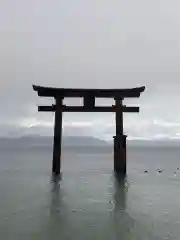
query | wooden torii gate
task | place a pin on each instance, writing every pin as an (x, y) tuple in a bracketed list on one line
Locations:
[(89, 96)]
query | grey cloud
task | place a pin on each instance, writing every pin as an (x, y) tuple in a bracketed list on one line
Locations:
[(106, 44)]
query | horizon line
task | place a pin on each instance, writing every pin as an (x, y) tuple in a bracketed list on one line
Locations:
[(130, 138)]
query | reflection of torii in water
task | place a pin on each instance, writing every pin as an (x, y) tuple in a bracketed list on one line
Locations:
[(122, 222), (120, 193), (125, 225)]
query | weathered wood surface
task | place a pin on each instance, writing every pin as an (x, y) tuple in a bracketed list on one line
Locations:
[(120, 154)]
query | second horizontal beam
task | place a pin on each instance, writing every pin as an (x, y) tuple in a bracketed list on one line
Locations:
[(53, 108)]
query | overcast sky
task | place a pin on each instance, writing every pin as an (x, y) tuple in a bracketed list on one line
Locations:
[(90, 43)]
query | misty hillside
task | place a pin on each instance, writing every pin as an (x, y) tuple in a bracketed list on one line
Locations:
[(38, 141), (78, 142), (152, 143)]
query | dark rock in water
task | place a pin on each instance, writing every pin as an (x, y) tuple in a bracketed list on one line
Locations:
[(178, 168), (146, 171)]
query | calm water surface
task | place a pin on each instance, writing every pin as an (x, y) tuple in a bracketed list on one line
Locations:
[(89, 203)]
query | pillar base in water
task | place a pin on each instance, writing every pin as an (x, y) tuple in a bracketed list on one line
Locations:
[(56, 177), (56, 164), (120, 154)]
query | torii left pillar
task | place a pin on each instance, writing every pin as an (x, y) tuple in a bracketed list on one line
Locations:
[(56, 168), (119, 141)]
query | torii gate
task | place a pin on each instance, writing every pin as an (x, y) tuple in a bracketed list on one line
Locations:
[(89, 96)]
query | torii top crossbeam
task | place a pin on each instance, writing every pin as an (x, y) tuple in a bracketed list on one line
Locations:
[(98, 93)]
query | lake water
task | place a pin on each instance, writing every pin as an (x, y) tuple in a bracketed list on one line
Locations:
[(89, 203)]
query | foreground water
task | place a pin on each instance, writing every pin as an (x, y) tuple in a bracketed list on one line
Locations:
[(89, 203)]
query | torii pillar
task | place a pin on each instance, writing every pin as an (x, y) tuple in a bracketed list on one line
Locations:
[(56, 166), (119, 140)]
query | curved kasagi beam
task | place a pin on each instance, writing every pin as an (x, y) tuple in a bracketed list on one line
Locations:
[(99, 93)]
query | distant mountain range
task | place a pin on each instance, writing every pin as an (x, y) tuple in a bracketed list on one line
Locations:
[(67, 141), (81, 141)]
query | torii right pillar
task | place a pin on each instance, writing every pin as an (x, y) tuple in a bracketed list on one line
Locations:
[(119, 141)]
